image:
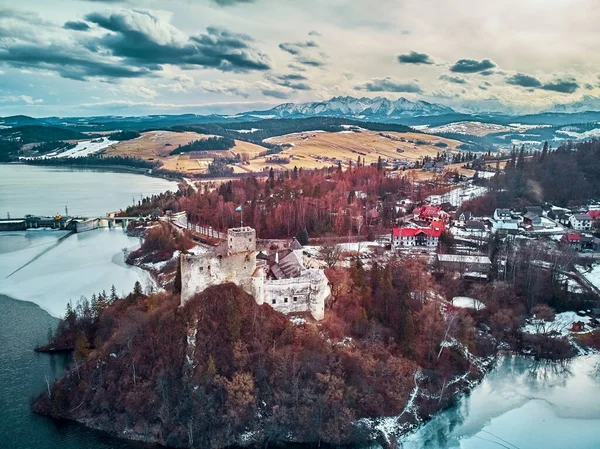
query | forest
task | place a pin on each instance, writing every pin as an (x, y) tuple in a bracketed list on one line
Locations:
[(124, 135), (35, 133), (567, 176), (208, 144), (95, 161), (321, 201), (248, 371)]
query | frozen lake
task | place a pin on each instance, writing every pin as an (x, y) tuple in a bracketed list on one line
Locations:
[(522, 404), (49, 268)]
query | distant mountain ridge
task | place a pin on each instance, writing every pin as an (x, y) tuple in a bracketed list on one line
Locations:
[(377, 108)]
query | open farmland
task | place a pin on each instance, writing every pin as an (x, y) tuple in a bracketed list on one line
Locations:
[(156, 145), (315, 149)]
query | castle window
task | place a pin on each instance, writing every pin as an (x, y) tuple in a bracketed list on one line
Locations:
[(209, 268), (201, 268), (285, 300), (295, 299), (273, 301)]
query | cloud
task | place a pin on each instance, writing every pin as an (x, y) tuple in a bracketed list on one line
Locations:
[(292, 81), (304, 53), (415, 58), (224, 87), (144, 39), (472, 66), (275, 93), (76, 25), (29, 100), (589, 86), (487, 72), (523, 80), (231, 2), (389, 84), (314, 33), (68, 62), (297, 48), (453, 79), (564, 86)]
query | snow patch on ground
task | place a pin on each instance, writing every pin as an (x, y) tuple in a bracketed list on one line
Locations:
[(592, 276), (562, 324), (464, 302), (87, 148)]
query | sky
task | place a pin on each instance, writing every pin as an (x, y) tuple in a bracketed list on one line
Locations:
[(134, 57)]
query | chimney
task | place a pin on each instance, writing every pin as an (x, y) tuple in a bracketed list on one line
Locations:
[(277, 257)]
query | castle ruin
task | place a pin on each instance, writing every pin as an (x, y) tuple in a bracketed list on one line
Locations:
[(279, 279)]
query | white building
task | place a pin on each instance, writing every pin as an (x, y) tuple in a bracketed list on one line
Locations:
[(581, 222)]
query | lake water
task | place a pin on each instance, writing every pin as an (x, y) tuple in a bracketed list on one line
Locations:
[(519, 405), (36, 190)]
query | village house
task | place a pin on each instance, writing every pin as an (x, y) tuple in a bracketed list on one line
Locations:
[(430, 213), (559, 215), (474, 267), (502, 215), (415, 237), (573, 239), (532, 220), (581, 222), (464, 216)]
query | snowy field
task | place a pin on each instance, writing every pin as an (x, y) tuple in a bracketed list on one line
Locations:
[(85, 148), (459, 195), (562, 324)]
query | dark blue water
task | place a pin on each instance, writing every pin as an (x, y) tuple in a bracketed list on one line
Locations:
[(23, 326)]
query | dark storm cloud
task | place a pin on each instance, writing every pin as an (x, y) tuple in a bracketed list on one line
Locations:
[(293, 81), (77, 26), (472, 66), (487, 72), (218, 48), (453, 79), (388, 84), (565, 87), (523, 80), (589, 86), (68, 63), (415, 58)]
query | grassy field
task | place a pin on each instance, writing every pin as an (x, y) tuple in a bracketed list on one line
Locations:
[(156, 145), (309, 149)]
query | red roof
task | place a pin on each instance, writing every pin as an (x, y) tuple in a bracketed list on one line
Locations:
[(595, 214), (572, 237), (438, 224), (427, 211), (413, 232)]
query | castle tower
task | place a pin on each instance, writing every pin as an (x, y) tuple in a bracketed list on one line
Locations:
[(241, 240)]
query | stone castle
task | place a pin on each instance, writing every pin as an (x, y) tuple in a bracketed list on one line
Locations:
[(279, 279)]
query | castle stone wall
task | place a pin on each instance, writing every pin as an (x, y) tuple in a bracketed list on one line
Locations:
[(200, 272)]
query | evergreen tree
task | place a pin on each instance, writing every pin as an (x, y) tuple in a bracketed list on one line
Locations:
[(302, 237), (137, 289), (113, 294), (379, 164)]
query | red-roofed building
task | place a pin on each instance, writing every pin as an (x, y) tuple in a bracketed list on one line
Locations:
[(430, 213), (412, 237), (595, 214), (573, 239)]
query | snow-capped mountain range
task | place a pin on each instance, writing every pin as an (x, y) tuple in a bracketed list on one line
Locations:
[(363, 108)]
